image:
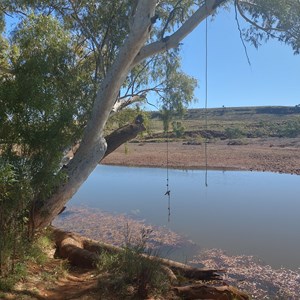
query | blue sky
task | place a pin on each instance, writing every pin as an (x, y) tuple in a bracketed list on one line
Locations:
[(272, 79)]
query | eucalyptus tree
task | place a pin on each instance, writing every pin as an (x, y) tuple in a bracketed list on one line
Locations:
[(69, 66)]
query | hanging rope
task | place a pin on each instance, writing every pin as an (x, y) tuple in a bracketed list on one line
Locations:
[(168, 192), (206, 98), (167, 120)]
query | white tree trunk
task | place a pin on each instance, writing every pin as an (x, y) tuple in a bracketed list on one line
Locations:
[(93, 146)]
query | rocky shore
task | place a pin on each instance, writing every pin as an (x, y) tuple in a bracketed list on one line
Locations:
[(271, 155)]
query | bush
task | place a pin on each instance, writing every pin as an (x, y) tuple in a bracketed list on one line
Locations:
[(178, 128), (289, 129), (234, 133), (132, 270), (13, 204), (7, 282)]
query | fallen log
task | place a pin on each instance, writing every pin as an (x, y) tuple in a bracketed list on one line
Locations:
[(188, 271), (84, 252), (69, 246)]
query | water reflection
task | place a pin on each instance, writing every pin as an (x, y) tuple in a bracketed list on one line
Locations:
[(240, 212)]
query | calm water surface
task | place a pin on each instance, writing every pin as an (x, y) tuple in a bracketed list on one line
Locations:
[(249, 213)]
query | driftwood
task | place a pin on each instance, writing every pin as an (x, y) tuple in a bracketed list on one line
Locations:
[(84, 252), (70, 247)]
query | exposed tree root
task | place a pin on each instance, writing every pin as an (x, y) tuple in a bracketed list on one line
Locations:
[(84, 252)]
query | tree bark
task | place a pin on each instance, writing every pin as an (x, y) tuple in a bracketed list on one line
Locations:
[(173, 40), (93, 146), (122, 135)]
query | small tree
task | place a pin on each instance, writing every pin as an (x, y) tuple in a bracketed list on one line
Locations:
[(178, 128)]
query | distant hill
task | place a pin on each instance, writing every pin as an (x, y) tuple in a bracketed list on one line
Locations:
[(232, 122), (240, 112), (250, 111)]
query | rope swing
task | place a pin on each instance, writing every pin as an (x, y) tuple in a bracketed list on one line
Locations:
[(206, 97), (168, 192), (168, 112)]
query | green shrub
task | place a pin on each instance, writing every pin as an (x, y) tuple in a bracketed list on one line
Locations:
[(132, 267), (178, 128), (7, 282), (289, 129), (13, 210), (36, 251), (234, 133)]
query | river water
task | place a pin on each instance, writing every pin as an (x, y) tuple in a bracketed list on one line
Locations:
[(251, 213)]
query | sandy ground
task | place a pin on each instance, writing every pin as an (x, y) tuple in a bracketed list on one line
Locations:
[(272, 154)]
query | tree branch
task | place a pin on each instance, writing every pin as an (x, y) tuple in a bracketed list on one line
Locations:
[(265, 29), (171, 16), (240, 31), (173, 41), (117, 73), (123, 135), (85, 29), (115, 139), (132, 83), (122, 103)]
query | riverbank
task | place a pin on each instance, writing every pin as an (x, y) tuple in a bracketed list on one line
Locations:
[(245, 272), (280, 155)]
